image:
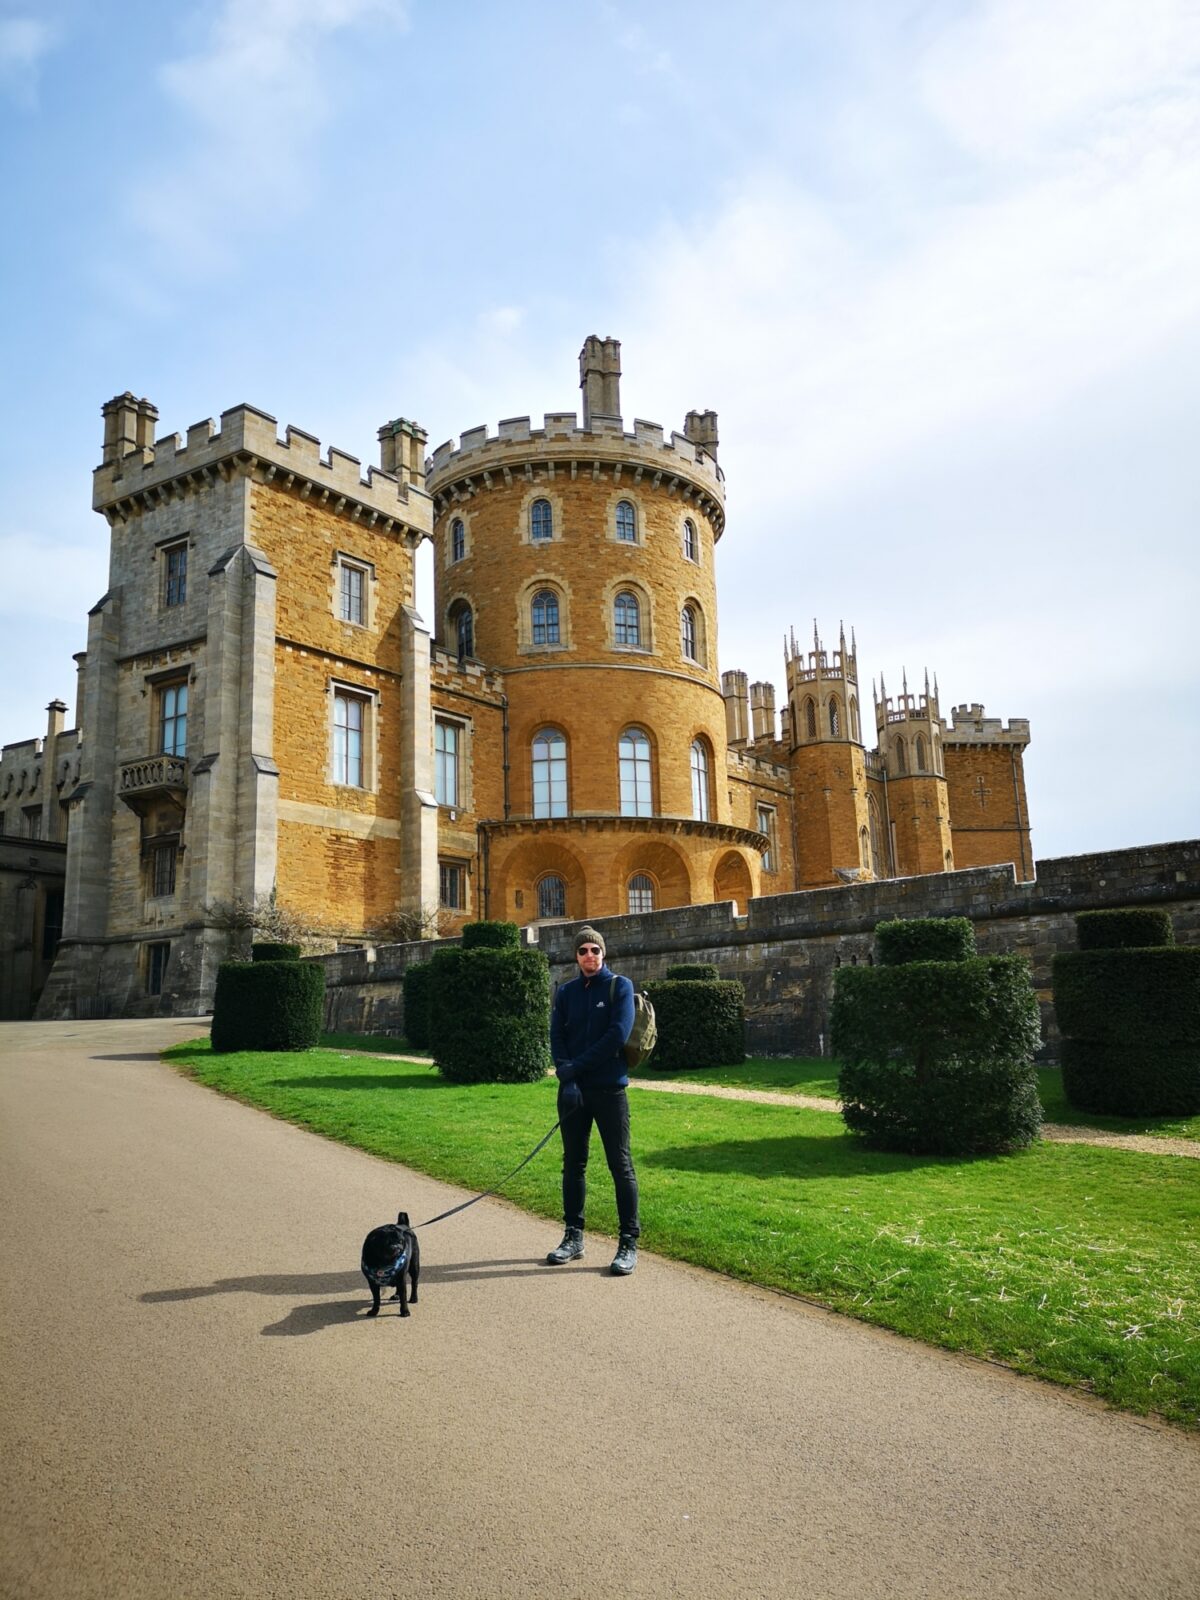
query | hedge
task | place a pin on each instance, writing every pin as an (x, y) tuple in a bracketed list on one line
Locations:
[(693, 972), (937, 1056), (268, 1005), (418, 989), (491, 936), (1134, 927), (491, 1007), (924, 939), (1129, 1013), (701, 1023), (275, 952)]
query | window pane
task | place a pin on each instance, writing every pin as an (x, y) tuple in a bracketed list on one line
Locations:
[(687, 631), (465, 627), (699, 782), (451, 887), (634, 772), (173, 708), (347, 741), (541, 520), (552, 897), (626, 524), (177, 575), (627, 620), (353, 595), (641, 893), (458, 539), (445, 762), (689, 540), (545, 618), (549, 774)]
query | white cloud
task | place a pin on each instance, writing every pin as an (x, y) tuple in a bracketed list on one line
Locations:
[(23, 43)]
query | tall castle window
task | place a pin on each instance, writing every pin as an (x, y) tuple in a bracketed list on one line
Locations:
[(810, 717), (349, 721), (766, 824), (835, 717), (175, 582), (552, 896), (626, 522), (452, 886), (901, 756), (541, 520), (691, 545), (634, 764), (162, 870), (352, 592), (549, 774), (687, 633), (157, 957), (445, 763), (919, 753), (464, 630), (641, 893), (172, 719), (545, 617), (627, 620), (699, 781), (855, 730), (458, 539)]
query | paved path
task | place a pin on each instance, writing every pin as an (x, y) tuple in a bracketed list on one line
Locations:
[(194, 1405)]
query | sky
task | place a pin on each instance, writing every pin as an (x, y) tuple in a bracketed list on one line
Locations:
[(935, 263)]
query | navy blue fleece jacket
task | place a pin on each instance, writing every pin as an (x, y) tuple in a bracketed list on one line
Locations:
[(589, 1025)]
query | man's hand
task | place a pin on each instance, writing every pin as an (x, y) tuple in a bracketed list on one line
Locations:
[(570, 1098)]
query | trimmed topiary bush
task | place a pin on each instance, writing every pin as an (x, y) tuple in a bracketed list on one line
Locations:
[(937, 1056), (491, 1011), (924, 939), (693, 972), (491, 936), (1129, 1014), (268, 1005), (701, 1023), (275, 952), (418, 990), (1133, 927)]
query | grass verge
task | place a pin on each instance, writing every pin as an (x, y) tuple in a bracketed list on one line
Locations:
[(1077, 1264), (374, 1043)]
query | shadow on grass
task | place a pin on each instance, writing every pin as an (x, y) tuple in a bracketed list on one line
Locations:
[(797, 1156), (364, 1080)]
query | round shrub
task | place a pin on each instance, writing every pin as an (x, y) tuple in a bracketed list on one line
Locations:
[(1134, 927), (693, 972), (418, 989), (492, 1011), (701, 1023), (275, 952), (268, 1005), (924, 939), (937, 1056), (491, 936)]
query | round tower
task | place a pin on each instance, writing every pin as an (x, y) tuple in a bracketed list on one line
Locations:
[(828, 762), (577, 563), (911, 734)]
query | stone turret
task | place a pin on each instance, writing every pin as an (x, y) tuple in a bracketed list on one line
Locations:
[(600, 378)]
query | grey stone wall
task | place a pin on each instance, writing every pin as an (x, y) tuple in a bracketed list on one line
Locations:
[(787, 948)]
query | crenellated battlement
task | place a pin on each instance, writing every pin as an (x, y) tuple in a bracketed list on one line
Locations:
[(136, 473), (562, 445), (970, 726)]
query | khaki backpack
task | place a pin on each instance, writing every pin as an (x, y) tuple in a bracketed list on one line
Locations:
[(643, 1036)]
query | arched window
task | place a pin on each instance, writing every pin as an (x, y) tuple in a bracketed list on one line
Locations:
[(541, 520), (458, 539), (464, 628), (687, 633), (544, 616), (920, 753), (691, 546), (552, 896), (634, 770), (810, 717), (901, 756), (864, 847), (835, 717), (641, 893), (549, 774), (855, 730), (626, 522), (699, 781), (627, 619)]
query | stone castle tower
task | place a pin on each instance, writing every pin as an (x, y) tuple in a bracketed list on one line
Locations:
[(263, 716)]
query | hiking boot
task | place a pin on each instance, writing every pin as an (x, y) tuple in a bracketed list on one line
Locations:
[(626, 1257), (570, 1249)]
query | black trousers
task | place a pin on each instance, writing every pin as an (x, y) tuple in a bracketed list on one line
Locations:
[(609, 1110)]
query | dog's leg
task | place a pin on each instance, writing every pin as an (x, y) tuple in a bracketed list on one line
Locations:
[(401, 1283), (374, 1288), (414, 1268)]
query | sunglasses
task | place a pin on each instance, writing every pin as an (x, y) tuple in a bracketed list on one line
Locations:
[(588, 950)]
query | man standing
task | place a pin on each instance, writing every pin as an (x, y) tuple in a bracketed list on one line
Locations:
[(589, 1024)]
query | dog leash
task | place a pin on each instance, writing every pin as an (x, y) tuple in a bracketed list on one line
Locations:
[(453, 1211)]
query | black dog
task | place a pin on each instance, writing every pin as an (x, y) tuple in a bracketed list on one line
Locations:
[(391, 1255)]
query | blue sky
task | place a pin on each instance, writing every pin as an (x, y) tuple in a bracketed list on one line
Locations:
[(936, 265)]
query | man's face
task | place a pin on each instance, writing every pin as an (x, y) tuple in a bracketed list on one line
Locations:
[(589, 958)]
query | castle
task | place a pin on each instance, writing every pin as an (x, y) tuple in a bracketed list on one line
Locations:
[(264, 714)]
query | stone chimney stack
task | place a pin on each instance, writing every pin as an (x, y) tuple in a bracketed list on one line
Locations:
[(600, 378), (128, 426), (737, 721), (402, 450), (762, 711), (80, 659), (55, 722), (701, 428)]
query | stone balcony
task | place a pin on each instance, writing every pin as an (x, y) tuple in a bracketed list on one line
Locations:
[(144, 783)]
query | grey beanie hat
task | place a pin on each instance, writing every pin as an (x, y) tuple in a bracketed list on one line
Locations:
[(587, 935)]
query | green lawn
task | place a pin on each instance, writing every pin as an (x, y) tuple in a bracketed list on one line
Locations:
[(811, 1075), (375, 1043), (1075, 1263)]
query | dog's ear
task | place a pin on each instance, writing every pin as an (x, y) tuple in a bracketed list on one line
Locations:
[(402, 1219)]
